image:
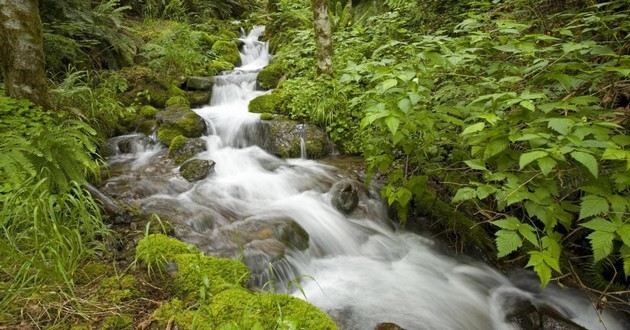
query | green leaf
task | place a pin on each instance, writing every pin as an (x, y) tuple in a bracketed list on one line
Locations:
[(624, 232), (476, 164), (474, 128), (389, 83), (614, 154), (625, 255), (529, 157), (529, 105), (561, 125), (507, 241), (510, 223), (593, 205), (587, 160), (529, 233), (495, 147), (392, 123), (600, 224), (546, 165), (464, 194), (601, 243)]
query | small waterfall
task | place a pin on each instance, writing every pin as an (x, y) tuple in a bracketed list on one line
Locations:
[(356, 267), (302, 131)]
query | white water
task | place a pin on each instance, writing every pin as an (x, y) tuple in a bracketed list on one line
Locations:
[(357, 268)]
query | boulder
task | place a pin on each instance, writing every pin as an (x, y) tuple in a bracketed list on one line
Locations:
[(284, 139), (178, 120), (388, 326), (196, 169), (125, 144), (284, 230), (267, 103), (145, 87), (199, 84), (270, 76), (198, 98), (183, 148), (345, 195), (524, 315)]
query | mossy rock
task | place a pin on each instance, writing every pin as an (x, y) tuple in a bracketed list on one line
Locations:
[(148, 111), (270, 76), (267, 103), (175, 91), (266, 116), (178, 119), (166, 134), (178, 100), (198, 98), (156, 250), (183, 148), (117, 322), (196, 83), (217, 66), (196, 270), (285, 139), (196, 169), (227, 51), (147, 127), (145, 87)]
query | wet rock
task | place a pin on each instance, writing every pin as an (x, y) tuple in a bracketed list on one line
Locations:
[(524, 315), (196, 169), (198, 98), (168, 209), (125, 144), (345, 195), (179, 120), (284, 230), (388, 326), (199, 83), (284, 139), (183, 149)]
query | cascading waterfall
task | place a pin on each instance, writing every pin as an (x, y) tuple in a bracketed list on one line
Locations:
[(356, 267)]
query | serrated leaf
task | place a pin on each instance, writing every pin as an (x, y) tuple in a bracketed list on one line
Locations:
[(529, 157), (547, 165), (600, 224), (474, 128), (507, 241), (528, 232), (561, 125), (476, 164), (544, 273), (593, 205), (601, 243), (485, 190), (389, 83), (614, 154), (392, 123), (529, 105), (495, 147), (588, 161), (625, 255), (464, 194), (510, 223), (624, 232)]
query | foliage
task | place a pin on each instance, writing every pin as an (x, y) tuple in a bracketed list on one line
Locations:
[(194, 10)]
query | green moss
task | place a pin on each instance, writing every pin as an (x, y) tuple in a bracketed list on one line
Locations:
[(183, 317), (176, 144), (227, 51), (195, 271), (92, 272), (117, 322), (178, 100), (191, 124), (270, 76), (266, 116), (148, 111), (175, 91), (183, 149), (145, 87), (270, 103), (217, 66), (146, 127), (166, 134), (157, 249), (117, 289)]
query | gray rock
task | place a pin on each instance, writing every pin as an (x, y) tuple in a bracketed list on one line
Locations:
[(196, 169), (283, 139), (345, 195), (199, 83), (388, 326), (198, 98)]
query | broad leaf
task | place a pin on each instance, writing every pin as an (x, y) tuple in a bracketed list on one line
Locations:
[(507, 241), (593, 205), (529, 157), (587, 160), (601, 243)]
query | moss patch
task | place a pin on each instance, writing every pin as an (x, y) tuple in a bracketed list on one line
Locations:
[(270, 76), (156, 250), (268, 103), (217, 66), (148, 111), (227, 51), (178, 100), (117, 322), (196, 271), (266, 116), (166, 134), (117, 289)]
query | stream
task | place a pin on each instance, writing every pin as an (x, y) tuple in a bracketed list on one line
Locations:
[(278, 215)]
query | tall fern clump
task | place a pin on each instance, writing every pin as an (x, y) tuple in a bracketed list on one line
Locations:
[(48, 222), (526, 117)]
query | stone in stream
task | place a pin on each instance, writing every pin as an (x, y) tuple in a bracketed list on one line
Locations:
[(196, 169), (198, 98), (524, 315), (183, 148), (199, 83), (345, 195), (388, 326), (284, 139), (177, 120)]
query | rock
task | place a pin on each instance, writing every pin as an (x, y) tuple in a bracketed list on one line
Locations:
[(179, 120), (199, 84), (526, 316), (345, 195), (388, 326), (284, 230), (183, 148), (283, 139), (196, 169), (125, 144), (270, 76), (198, 98), (267, 103), (145, 87)]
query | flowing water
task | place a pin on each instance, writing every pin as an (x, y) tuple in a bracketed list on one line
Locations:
[(357, 267)]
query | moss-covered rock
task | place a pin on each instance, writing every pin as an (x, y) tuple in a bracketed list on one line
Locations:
[(198, 98), (148, 111), (270, 76), (147, 127), (178, 119), (183, 148), (266, 116), (196, 169), (285, 139), (117, 289), (227, 51), (178, 100), (117, 322), (196, 83), (144, 87), (195, 271), (217, 66), (267, 103), (156, 250)]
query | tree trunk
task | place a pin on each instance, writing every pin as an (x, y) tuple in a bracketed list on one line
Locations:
[(323, 37), (22, 51)]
